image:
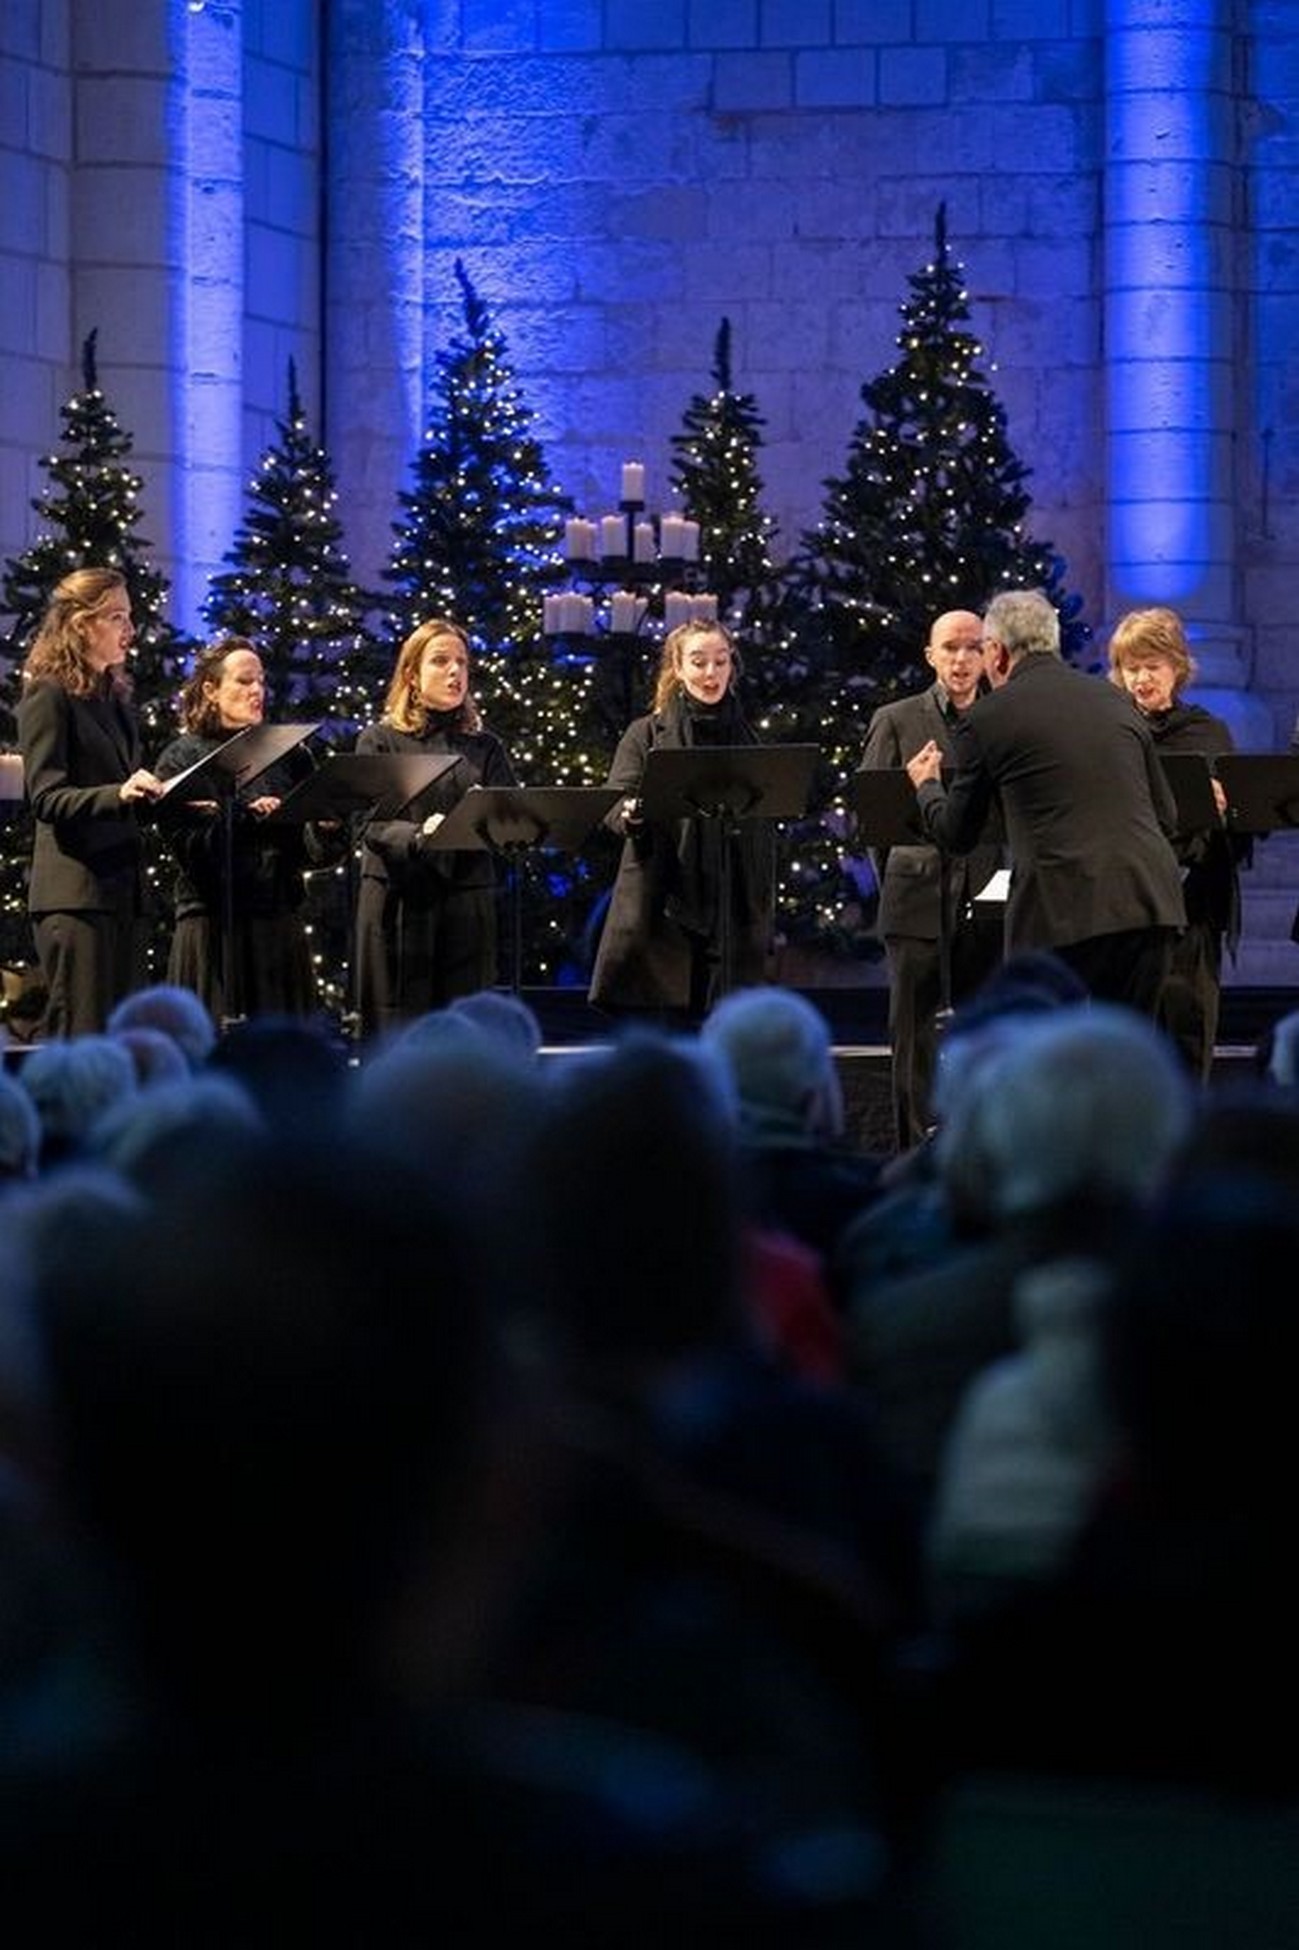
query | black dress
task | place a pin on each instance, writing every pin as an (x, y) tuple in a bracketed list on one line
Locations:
[(1192, 995), (660, 947), (269, 967), (426, 919)]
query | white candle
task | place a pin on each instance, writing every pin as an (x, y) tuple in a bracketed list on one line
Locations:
[(703, 609), (579, 540), (690, 541), (633, 481), (613, 535), (552, 615), (676, 609), (672, 536), (623, 616), (642, 542)]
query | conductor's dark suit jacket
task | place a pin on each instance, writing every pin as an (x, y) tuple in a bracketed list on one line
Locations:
[(909, 876), (87, 855), (1088, 811)]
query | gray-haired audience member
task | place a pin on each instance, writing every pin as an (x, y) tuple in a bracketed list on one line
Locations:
[(800, 1172), (72, 1081), (177, 1011), (1069, 1128)]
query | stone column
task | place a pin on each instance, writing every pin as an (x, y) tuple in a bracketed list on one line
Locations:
[(1172, 334), (374, 298)]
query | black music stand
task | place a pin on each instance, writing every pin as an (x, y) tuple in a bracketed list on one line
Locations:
[(728, 783), (888, 815), (221, 777), (514, 821), (378, 784), (1190, 774), (1262, 790)]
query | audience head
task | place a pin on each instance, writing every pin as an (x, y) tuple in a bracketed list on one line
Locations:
[(268, 1385), (178, 1012), (778, 1050), (295, 1070), (626, 1207), (72, 1082), (1080, 1106), (158, 1057), (20, 1130), (505, 1017), (151, 1134), (1202, 1344)]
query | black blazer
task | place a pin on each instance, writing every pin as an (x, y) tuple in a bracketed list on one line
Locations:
[(909, 876), (1088, 812), (77, 751)]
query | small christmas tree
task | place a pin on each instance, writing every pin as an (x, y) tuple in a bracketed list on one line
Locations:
[(932, 511), (716, 474), (289, 587), (480, 527), (90, 516)]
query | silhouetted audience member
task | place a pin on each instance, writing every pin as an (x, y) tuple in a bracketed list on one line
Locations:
[(1162, 1648), (20, 1131), (72, 1081), (177, 1011), (1060, 1133), (730, 1565), (268, 1436), (800, 1174), (294, 1067)]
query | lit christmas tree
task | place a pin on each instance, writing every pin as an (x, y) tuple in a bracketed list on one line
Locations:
[(932, 511), (289, 588), (479, 541), (716, 474), (89, 518), (930, 514), (479, 534)]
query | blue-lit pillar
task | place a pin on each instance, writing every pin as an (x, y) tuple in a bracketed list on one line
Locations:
[(1173, 333), (207, 354), (374, 300)]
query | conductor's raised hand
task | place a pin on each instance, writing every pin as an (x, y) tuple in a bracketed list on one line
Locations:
[(926, 765)]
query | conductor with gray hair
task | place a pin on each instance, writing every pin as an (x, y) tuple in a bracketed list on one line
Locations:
[(1088, 812)]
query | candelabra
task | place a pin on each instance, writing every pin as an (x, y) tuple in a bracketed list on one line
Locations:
[(647, 566)]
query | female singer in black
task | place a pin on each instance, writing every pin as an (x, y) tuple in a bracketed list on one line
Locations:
[(268, 963), (661, 945), (426, 917)]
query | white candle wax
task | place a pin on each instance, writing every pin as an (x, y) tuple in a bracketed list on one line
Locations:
[(676, 609), (690, 541), (633, 481), (642, 542), (671, 536), (613, 535)]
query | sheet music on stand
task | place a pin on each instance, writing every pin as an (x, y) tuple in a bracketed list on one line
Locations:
[(732, 782), (516, 821), (381, 784), (1190, 775), (236, 763), (1262, 790)]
